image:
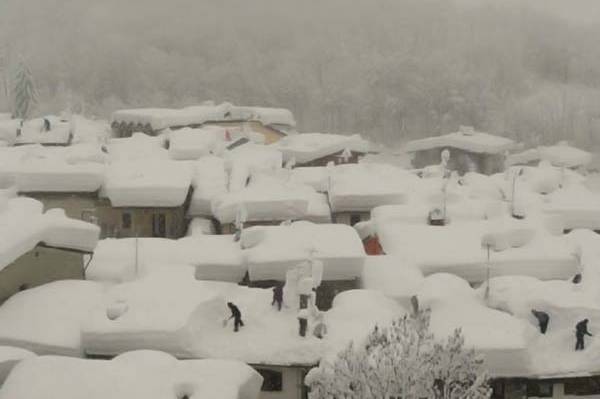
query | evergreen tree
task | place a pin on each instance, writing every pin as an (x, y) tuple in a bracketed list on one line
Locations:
[(402, 360), (24, 91)]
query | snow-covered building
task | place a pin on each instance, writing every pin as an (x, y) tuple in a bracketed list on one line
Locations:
[(470, 151), (10, 356), (48, 131), (271, 251), (145, 198), (355, 189), (272, 123), (318, 149), (37, 247), (141, 374), (559, 155), (59, 177), (270, 199), (520, 247)]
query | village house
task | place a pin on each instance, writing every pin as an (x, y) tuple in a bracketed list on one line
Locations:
[(59, 177), (319, 149), (560, 155), (47, 131), (355, 189), (38, 247), (470, 151), (271, 251), (271, 123), (145, 199)]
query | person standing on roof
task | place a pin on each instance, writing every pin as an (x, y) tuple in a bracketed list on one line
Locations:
[(580, 331), (543, 318), (236, 315), (277, 296)]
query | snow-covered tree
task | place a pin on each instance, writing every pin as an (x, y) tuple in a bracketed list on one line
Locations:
[(402, 360), (24, 90)]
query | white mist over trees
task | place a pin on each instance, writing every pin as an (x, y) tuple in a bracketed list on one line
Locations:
[(389, 69)]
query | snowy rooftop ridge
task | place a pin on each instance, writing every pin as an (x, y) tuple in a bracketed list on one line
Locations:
[(561, 154), (467, 140), (161, 118)]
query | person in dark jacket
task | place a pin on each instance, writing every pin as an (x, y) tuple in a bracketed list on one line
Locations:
[(543, 319), (236, 315), (277, 296), (581, 330), (576, 279)]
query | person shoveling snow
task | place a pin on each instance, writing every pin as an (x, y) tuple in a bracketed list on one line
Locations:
[(236, 315), (580, 331)]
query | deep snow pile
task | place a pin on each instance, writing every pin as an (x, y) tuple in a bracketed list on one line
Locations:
[(270, 251), (33, 131), (465, 140), (272, 197), (9, 357), (560, 155), (142, 374), (306, 147), (47, 319), (77, 168), (243, 161), (147, 182), (216, 257), (500, 337), (185, 317), (315, 176), (389, 275), (23, 225), (361, 187)]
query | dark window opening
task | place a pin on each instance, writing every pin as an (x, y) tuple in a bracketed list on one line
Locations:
[(126, 220), (497, 389), (540, 389), (272, 380), (355, 218), (582, 386), (159, 225)]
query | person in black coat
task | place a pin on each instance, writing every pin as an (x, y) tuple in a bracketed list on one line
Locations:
[(277, 296), (543, 319), (580, 331), (236, 315)]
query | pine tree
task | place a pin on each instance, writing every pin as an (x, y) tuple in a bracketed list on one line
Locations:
[(402, 360), (24, 91)]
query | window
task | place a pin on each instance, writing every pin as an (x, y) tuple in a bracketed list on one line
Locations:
[(582, 386), (540, 389), (126, 220), (272, 380), (159, 225), (354, 218), (497, 389)]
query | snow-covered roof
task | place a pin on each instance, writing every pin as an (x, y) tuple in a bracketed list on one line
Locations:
[(306, 147), (466, 140), (270, 251), (47, 319), (32, 131), (77, 168), (361, 187), (271, 197), (215, 257), (9, 357), (560, 154), (161, 118), (192, 144), (23, 226), (138, 147), (142, 183), (142, 374), (457, 248)]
